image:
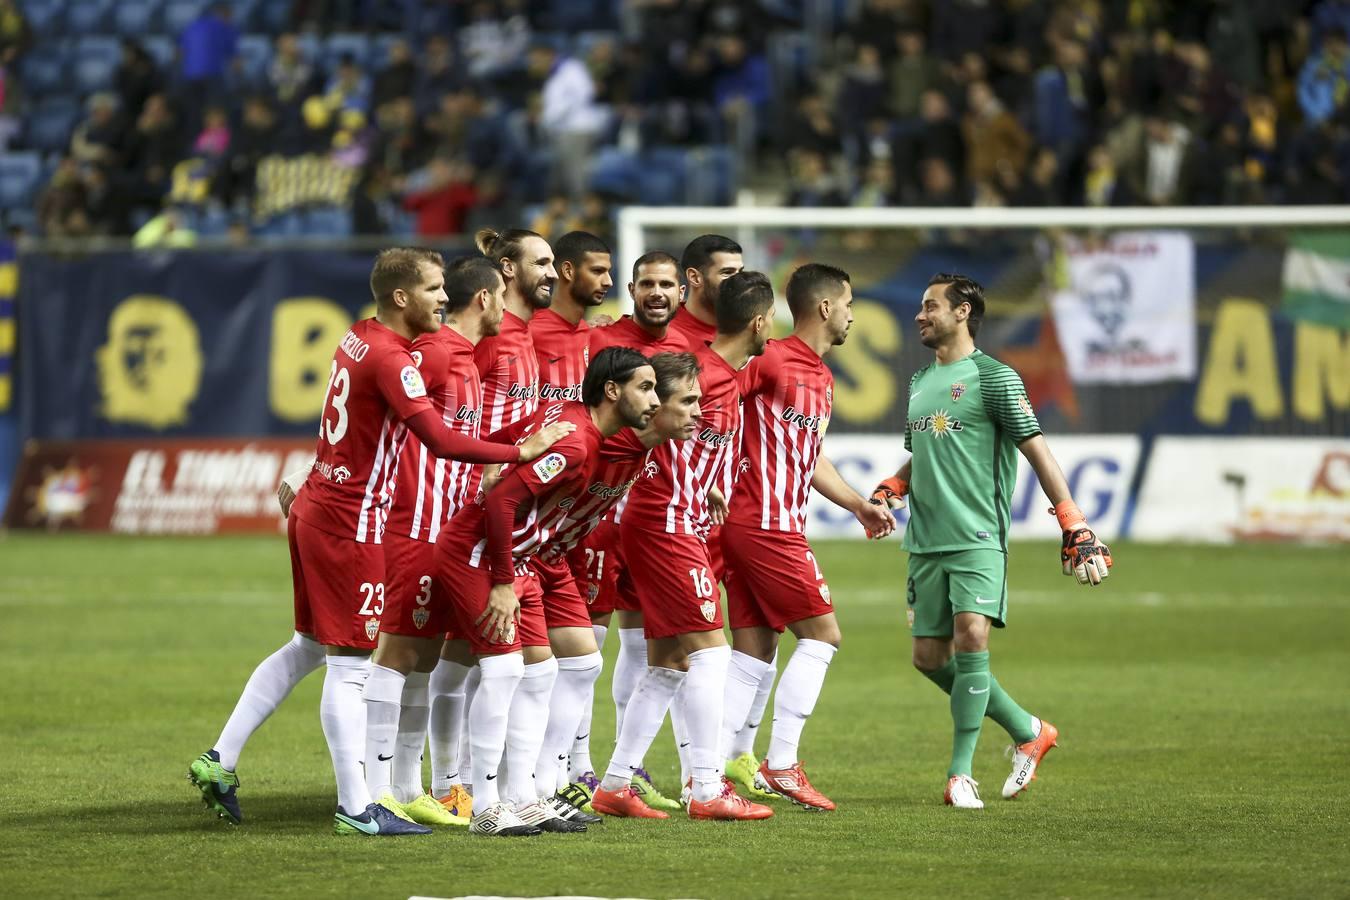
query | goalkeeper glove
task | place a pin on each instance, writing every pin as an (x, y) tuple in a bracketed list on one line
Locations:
[(891, 493), (1080, 553)]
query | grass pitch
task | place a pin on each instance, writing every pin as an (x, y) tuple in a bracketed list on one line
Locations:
[(1200, 697)]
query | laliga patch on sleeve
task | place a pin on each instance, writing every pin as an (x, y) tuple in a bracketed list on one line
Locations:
[(550, 466), (412, 382)]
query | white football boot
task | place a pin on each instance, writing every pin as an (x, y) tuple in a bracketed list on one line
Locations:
[(963, 793)]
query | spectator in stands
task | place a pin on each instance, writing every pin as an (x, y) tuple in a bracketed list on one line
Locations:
[(554, 218), (1066, 94), (444, 197), (1042, 186), (938, 184), (101, 138), (496, 38), (1163, 166), (401, 144), (255, 138), (153, 147), (912, 74), (878, 186), (570, 117), (136, 78), (372, 201), (15, 35), (992, 136), (349, 88), (207, 52), (398, 78), (938, 136), (60, 208), (862, 95), (959, 27), (879, 19), (1324, 82), (291, 75), (1102, 184), (107, 203), (168, 229), (213, 141), (812, 183), (440, 72), (741, 91), (813, 127)]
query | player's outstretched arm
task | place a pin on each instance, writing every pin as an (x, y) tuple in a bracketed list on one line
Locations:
[(891, 491), (1081, 554), (447, 443), (877, 521)]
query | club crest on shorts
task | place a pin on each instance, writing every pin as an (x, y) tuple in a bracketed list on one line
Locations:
[(420, 616), (825, 594), (372, 628), (592, 591), (958, 389), (709, 610), (909, 614)]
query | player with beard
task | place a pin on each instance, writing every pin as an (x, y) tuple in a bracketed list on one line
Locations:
[(483, 558), (773, 581), (677, 587), (510, 373), (597, 562), (708, 260)]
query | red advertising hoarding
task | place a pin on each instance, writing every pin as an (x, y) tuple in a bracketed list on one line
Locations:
[(154, 486)]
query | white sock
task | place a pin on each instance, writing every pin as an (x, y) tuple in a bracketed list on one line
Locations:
[(498, 678), (383, 696), (525, 727), (629, 668), (677, 727), (744, 674), (446, 725), (701, 701), (646, 711), (579, 757), (342, 713), (267, 687), (412, 737), (744, 741), (574, 685), (466, 744), (798, 691)]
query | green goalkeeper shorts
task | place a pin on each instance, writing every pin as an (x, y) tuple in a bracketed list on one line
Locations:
[(940, 585)]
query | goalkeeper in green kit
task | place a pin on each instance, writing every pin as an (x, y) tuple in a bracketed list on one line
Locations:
[(968, 413)]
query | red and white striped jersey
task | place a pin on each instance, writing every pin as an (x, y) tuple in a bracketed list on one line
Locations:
[(431, 490), (673, 495), (557, 480), (788, 394), (620, 462), (695, 332), (510, 374), (627, 333), (563, 351), (373, 386)]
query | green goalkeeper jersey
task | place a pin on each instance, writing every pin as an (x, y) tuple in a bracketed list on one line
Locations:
[(965, 421)]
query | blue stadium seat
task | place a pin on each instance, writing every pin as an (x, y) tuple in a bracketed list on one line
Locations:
[(45, 17), (135, 18), (665, 176), (255, 55), (162, 48), (328, 221), (211, 221), (616, 172), (178, 13), (310, 47), (95, 60), (402, 224), (244, 14), (43, 71), (50, 123), (285, 225), (20, 174), (712, 176), (22, 217), (339, 45), (87, 16), (274, 16)]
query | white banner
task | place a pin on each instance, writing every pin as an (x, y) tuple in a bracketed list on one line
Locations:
[(1225, 490), (1126, 313), (1099, 470)]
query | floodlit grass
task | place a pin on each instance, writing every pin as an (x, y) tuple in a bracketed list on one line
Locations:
[(1200, 697)]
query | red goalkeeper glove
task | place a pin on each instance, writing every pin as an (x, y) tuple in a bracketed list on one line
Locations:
[(1081, 554), (891, 493)]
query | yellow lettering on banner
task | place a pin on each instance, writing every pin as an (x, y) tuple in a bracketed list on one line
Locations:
[(1240, 364), (1321, 370), (868, 390), (305, 330), (150, 369)]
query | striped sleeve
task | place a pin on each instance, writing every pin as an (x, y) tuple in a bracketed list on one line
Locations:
[(909, 393), (1005, 400)]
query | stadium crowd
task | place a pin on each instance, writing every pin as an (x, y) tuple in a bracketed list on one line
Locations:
[(427, 116)]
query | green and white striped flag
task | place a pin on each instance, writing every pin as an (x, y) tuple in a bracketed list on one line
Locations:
[(1317, 278)]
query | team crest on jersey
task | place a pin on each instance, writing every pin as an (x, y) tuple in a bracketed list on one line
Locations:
[(550, 467), (341, 474), (651, 469), (412, 382), (1024, 405), (420, 616), (825, 594), (709, 610), (958, 389), (372, 628)]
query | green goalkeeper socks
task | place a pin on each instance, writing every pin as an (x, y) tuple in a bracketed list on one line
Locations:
[(970, 699), (1003, 709)]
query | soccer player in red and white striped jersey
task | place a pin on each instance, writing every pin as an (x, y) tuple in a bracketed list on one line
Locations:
[(510, 373), (773, 580), (336, 523), (596, 561), (677, 587), (707, 261), (482, 562)]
